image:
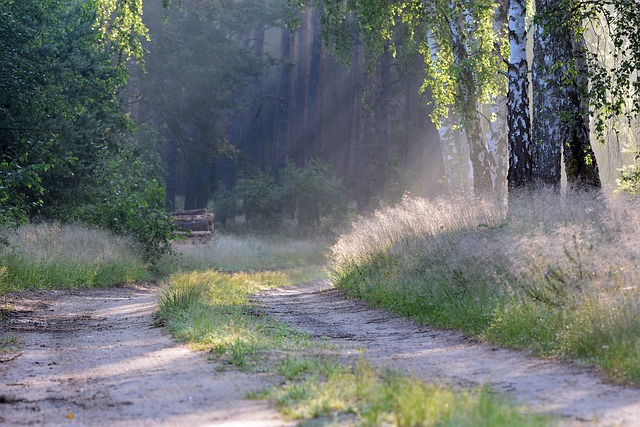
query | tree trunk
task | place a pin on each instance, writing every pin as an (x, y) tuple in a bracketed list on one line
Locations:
[(312, 100), (519, 134), (579, 160), (282, 112), (550, 47), (560, 113), (467, 90), (497, 142)]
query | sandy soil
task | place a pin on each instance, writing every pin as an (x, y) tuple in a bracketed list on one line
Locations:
[(580, 396), (93, 357)]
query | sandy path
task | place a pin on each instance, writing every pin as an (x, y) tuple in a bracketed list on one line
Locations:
[(579, 395), (94, 355)]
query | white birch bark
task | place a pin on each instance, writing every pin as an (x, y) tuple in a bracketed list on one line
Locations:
[(497, 140), (461, 26), (519, 136), (457, 171)]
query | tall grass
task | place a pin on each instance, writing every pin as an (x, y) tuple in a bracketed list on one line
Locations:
[(558, 276), (50, 256), (237, 253)]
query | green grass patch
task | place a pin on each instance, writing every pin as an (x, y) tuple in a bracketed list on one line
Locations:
[(560, 281), (50, 256), (321, 392), (212, 311), (9, 344)]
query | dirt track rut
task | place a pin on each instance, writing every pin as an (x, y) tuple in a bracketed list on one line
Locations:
[(577, 394), (93, 358)]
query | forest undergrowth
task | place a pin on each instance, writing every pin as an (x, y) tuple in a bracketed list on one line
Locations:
[(54, 256), (554, 275)]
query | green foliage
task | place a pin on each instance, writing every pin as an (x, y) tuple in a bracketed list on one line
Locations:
[(614, 87), (629, 180), (313, 193), (128, 202), (261, 200), (224, 205), (59, 109), (456, 40)]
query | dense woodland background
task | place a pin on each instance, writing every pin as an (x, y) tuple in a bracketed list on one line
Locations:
[(272, 113)]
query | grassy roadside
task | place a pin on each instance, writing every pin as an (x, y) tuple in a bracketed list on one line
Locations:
[(553, 276), (213, 311), (51, 256)]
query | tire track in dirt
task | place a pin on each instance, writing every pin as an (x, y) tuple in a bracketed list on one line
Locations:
[(579, 395), (93, 358)]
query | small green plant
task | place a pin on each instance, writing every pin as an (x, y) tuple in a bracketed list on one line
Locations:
[(8, 344), (322, 389), (629, 180)]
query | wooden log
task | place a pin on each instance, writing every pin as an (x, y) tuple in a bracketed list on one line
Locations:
[(193, 224), (195, 233), (205, 217), (190, 212)]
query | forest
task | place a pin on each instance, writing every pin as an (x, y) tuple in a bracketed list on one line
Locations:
[(425, 212), (274, 113)]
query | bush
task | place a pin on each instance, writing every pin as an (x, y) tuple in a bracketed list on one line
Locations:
[(313, 193), (261, 200), (127, 202)]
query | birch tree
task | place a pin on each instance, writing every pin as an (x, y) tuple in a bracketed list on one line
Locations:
[(519, 133), (559, 86)]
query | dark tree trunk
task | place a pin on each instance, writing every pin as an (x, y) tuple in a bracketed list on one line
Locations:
[(282, 112), (579, 160), (171, 159), (560, 82), (312, 101)]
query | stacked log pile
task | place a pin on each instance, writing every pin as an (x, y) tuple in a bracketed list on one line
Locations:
[(195, 222)]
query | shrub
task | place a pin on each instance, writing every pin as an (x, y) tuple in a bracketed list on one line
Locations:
[(313, 193), (127, 202)]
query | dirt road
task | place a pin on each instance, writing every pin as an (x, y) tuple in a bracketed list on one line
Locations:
[(93, 357), (579, 395)]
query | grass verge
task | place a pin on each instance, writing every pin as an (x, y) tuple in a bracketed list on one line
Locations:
[(330, 394), (559, 280), (51, 256), (213, 311)]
